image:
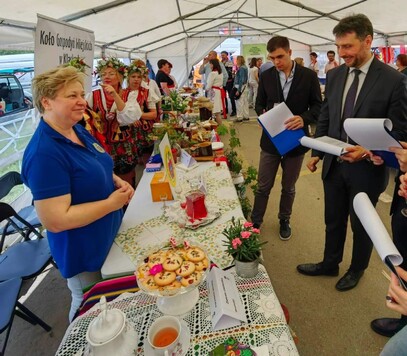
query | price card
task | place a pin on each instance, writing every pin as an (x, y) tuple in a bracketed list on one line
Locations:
[(186, 159), (224, 301)]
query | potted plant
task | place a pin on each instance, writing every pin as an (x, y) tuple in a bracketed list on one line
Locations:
[(234, 161), (244, 245), (175, 102)]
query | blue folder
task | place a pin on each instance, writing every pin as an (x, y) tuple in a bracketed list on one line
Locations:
[(389, 158), (286, 140)]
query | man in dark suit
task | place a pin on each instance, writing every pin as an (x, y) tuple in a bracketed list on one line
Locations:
[(299, 88), (362, 87)]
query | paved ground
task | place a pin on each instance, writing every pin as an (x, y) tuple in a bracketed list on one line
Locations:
[(326, 322)]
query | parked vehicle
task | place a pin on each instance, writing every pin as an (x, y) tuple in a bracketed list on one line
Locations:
[(13, 100)]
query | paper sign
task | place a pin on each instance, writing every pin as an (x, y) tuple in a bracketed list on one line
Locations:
[(186, 159), (168, 160), (224, 301)]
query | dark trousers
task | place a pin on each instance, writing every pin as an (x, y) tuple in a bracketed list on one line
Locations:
[(399, 227), (228, 89), (268, 168), (342, 183)]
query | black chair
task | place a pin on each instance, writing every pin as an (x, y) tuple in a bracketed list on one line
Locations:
[(25, 259), (28, 213), (10, 306)]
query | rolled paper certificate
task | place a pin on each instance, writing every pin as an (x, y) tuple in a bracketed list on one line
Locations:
[(375, 229), (325, 144)]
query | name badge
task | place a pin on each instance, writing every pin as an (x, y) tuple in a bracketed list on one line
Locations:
[(98, 147)]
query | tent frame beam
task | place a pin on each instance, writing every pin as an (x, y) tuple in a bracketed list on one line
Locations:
[(167, 23), (95, 10)]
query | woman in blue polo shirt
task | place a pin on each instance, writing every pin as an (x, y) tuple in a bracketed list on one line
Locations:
[(78, 198)]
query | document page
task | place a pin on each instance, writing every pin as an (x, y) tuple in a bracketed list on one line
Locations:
[(373, 134), (273, 120)]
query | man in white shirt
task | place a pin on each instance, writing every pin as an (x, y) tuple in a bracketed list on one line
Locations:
[(205, 68), (331, 61)]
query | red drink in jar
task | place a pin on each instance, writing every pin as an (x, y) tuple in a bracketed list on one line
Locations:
[(196, 208)]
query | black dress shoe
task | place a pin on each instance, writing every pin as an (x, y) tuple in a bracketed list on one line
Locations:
[(388, 326), (317, 269), (349, 281)]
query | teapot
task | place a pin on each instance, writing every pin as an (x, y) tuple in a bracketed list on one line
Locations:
[(110, 334)]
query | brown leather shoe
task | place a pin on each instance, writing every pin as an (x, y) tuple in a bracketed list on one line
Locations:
[(349, 281), (317, 269), (388, 326)]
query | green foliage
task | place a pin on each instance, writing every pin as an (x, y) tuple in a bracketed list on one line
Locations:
[(246, 206), (233, 140), (235, 166), (251, 178), (242, 241), (235, 162), (222, 130), (175, 102), (4, 52)]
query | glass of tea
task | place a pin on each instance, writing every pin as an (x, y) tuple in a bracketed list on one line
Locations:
[(164, 334)]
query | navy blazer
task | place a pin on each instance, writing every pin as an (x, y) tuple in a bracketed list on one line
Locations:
[(303, 99), (383, 95)]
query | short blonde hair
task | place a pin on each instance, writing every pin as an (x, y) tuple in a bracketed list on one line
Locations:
[(46, 85)]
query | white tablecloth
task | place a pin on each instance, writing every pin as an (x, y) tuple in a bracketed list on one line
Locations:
[(144, 226)]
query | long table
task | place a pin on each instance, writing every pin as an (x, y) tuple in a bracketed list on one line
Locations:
[(144, 225), (266, 323)]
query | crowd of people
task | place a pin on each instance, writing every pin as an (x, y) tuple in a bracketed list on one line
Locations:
[(80, 162)]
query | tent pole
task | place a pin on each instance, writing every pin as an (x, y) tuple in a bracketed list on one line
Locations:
[(187, 58)]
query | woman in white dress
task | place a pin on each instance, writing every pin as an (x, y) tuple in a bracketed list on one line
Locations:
[(214, 86)]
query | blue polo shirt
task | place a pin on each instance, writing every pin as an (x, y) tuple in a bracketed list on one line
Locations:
[(53, 166)]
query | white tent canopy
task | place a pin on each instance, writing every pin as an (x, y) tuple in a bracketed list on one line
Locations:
[(183, 31)]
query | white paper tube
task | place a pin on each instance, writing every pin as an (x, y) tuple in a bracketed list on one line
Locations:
[(375, 229)]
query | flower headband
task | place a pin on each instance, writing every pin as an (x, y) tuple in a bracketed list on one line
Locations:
[(78, 63), (112, 62), (137, 66)]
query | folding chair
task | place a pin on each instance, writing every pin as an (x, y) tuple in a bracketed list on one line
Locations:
[(25, 259), (28, 213), (10, 306)]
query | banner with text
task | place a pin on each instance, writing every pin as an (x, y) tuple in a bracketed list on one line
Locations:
[(56, 43), (257, 50)]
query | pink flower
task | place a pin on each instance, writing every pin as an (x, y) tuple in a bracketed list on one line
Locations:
[(236, 242), (156, 269), (247, 224), (173, 242), (245, 234), (255, 231)]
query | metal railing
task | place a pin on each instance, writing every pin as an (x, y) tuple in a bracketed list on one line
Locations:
[(15, 133)]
